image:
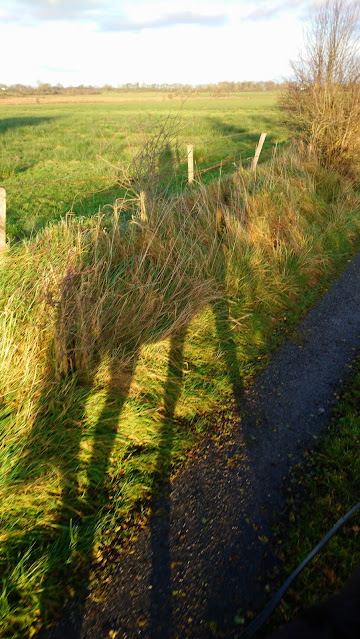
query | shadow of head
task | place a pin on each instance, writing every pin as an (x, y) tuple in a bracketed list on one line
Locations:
[(127, 284)]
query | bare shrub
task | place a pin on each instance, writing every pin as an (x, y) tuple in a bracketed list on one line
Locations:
[(322, 101), (156, 160)]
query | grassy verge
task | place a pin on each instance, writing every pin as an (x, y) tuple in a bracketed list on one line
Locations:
[(120, 337), (323, 489)]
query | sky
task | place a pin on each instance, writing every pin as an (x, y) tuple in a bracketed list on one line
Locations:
[(99, 42)]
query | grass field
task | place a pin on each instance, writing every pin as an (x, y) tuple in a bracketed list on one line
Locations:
[(122, 343), (49, 150)]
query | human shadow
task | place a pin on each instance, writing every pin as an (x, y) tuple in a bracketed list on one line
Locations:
[(56, 438), (167, 163), (160, 580), (161, 596), (80, 510), (157, 169)]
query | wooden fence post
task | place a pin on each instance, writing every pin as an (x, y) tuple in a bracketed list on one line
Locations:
[(143, 214), (258, 151), (2, 219), (190, 151)]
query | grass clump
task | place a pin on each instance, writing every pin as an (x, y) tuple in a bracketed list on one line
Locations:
[(118, 333)]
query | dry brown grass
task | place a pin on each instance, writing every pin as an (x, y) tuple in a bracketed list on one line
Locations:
[(12, 100)]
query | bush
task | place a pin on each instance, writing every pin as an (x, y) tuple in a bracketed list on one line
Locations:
[(322, 102)]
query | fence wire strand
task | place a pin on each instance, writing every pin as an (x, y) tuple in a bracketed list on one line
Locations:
[(112, 178)]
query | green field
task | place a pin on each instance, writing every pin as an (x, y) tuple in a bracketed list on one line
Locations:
[(49, 152)]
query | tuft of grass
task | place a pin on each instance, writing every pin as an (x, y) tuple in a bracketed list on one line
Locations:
[(120, 336)]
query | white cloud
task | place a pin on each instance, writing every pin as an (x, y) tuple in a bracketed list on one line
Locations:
[(269, 10), (106, 13), (116, 23), (37, 11)]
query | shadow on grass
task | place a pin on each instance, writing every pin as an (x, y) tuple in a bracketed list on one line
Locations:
[(244, 140), (222, 129), (161, 597), (20, 227), (14, 123), (231, 146), (70, 546)]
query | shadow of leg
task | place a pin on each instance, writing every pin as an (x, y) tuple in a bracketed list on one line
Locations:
[(84, 519), (228, 346), (55, 440), (97, 495), (161, 594)]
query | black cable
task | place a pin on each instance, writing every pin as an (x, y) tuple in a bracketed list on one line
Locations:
[(263, 616)]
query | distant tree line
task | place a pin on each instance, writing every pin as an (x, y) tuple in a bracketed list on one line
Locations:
[(221, 88), (47, 89)]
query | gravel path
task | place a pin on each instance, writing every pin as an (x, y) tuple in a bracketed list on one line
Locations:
[(198, 563)]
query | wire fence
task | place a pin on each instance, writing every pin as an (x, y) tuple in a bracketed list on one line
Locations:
[(19, 185), (97, 182), (229, 160), (81, 177)]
